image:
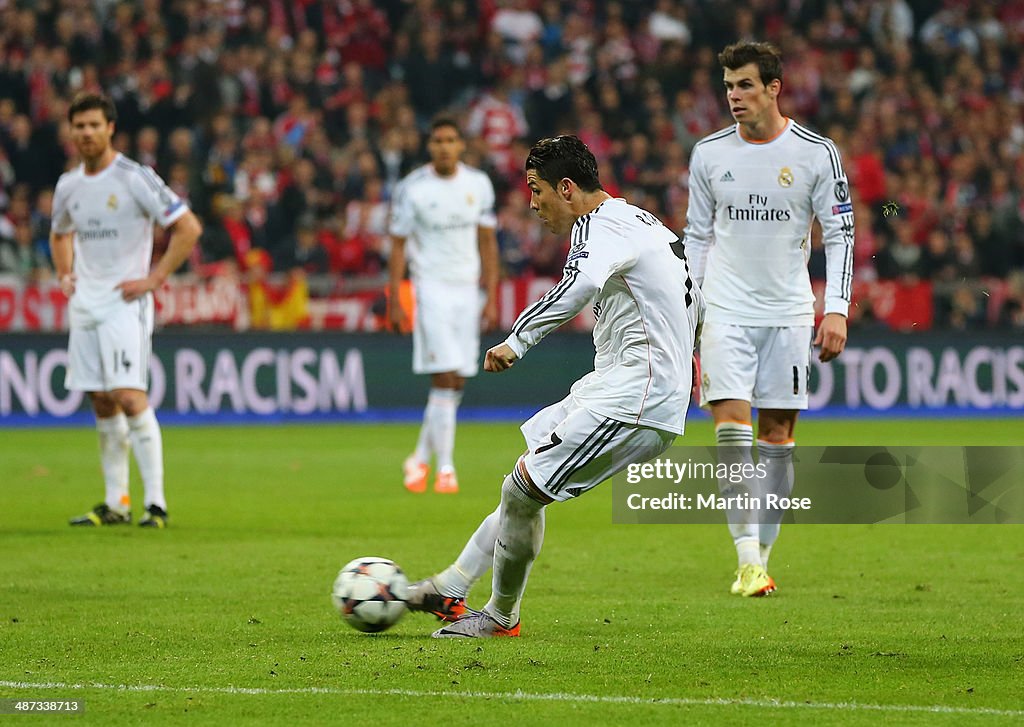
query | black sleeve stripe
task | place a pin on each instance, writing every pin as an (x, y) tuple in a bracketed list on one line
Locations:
[(715, 136), (844, 280), (833, 153), (836, 169), (581, 230), (807, 133), (834, 156), (549, 299), (849, 274), (846, 277)]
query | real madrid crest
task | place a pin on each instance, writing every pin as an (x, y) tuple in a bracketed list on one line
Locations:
[(786, 177), (469, 200), (112, 202), (705, 381)]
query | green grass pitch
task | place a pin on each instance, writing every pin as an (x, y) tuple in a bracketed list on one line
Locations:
[(225, 617)]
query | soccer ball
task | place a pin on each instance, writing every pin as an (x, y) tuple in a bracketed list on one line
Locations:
[(370, 594)]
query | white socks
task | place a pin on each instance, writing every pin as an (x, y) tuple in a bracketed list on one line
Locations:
[(509, 539), (446, 405), (147, 444), (424, 445), (778, 462), (735, 444), (476, 558), (755, 533), (520, 536), (437, 433), (113, 436)]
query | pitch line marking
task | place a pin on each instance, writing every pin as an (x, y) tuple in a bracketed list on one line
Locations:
[(534, 697)]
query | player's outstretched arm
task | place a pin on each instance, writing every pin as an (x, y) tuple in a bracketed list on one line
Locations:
[(62, 252), (831, 336), (397, 319), (487, 241), (499, 358), (185, 234)]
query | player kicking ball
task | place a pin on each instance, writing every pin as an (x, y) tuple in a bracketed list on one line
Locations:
[(630, 408)]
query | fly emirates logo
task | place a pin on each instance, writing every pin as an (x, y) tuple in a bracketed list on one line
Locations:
[(454, 222), (757, 210)]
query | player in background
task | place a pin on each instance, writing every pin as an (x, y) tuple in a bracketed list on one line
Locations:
[(443, 222), (755, 189), (102, 245), (630, 408)]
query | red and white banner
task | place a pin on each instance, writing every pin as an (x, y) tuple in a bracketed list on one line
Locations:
[(42, 307), (223, 301), (25, 307), (363, 312), (191, 301)]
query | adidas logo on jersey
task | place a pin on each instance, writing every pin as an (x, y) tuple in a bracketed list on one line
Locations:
[(727, 177)]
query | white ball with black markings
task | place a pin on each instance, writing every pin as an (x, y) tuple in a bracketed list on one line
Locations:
[(370, 594)]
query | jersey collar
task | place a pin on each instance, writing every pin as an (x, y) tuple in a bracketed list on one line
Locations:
[(760, 142), (103, 172)]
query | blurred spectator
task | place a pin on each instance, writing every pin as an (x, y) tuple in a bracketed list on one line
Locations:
[(965, 256), (430, 74), (965, 309), (900, 257), (40, 220), (550, 106), (668, 23), (938, 261), (518, 26), (497, 122), (226, 242), (518, 235), (303, 250), (19, 254), (1011, 313), (368, 217)]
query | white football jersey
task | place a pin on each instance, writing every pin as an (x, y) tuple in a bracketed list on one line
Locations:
[(439, 216), (748, 227), (647, 308), (111, 215)]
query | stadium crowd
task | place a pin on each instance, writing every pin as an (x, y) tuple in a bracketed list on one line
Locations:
[(287, 123)]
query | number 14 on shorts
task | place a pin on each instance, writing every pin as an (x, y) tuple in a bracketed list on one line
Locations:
[(121, 361)]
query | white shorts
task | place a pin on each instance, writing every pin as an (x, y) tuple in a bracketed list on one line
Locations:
[(113, 352), (446, 334), (573, 450), (767, 366)]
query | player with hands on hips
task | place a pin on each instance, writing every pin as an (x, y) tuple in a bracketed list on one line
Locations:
[(102, 244)]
